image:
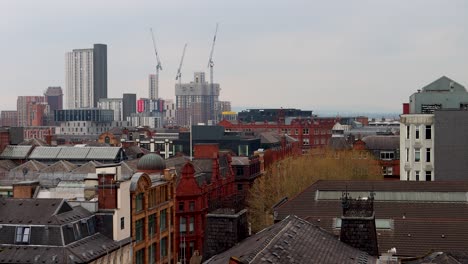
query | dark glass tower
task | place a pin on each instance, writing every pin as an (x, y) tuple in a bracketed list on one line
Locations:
[(99, 72)]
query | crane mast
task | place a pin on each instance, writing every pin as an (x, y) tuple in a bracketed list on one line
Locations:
[(152, 93), (213, 115)]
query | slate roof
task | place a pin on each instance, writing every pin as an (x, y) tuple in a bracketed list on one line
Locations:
[(89, 167), (39, 211), (32, 166), (60, 166), (382, 142), (423, 216), (442, 258), (16, 152), (293, 240), (49, 247), (7, 165), (34, 142)]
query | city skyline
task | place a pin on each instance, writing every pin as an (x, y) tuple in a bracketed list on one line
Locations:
[(360, 56)]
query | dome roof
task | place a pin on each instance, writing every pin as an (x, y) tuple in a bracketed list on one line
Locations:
[(151, 162)]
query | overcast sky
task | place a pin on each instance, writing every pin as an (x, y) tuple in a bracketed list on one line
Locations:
[(315, 55)]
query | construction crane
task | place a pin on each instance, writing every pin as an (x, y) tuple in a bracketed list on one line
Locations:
[(153, 93), (210, 65), (179, 73)]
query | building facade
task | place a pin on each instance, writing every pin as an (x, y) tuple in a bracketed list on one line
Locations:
[(194, 99), (418, 129), (9, 118), (24, 108), (153, 89), (310, 132), (115, 104), (129, 105), (86, 76)]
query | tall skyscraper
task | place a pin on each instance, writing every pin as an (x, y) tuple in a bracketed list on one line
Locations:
[(86, 76), (193, 101), (129, 105), (153, 89)]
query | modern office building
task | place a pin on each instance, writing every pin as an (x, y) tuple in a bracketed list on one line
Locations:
[(194, 99), (115, 104), (54, 98), (169, 113), (418, 130), (129, 105), (86, 76), (153, 87)]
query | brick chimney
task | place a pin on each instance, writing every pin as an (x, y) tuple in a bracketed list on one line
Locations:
[(107, 191), (358, 223)]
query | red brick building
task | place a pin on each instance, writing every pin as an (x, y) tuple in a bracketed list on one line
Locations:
[(206, 184), (310, 132)]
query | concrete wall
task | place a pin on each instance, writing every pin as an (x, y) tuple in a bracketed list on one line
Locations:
[(451, 145)]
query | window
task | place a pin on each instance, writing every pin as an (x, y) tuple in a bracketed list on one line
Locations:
[(428, 175), (139, 230), (305, 141), (23, 234), (417, 132), (387, 155), (428, 155), (152, 253), (182, 252), (163, 247), (407, 155), (122, 222), (305, 131), (417, 155), (407, 132), (183, 225), (239, 187), (151, 225), (162, 220), (192, 206), (428, 132), (140, 256), (192, 247), (388, 171), (417, 175), (322, 141), (181, 206), (296, 131), (139, 202), (191, 224), (407, 175), (316, 131)]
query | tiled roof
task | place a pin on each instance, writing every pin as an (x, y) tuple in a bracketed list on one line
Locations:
[(293, 240), (16, 152), (442, 258), (416, 225)]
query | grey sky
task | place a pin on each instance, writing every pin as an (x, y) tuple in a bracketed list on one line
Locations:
[(354, 55)]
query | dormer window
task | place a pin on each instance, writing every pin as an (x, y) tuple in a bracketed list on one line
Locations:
[(23, 234)]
